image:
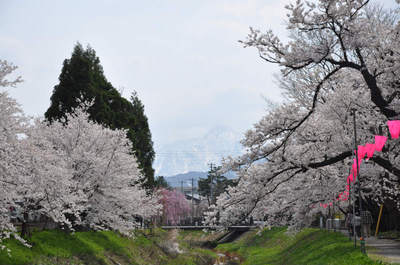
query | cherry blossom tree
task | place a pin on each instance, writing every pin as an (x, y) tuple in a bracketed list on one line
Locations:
[(74, 172), (13, 123), (83, 174), (342, 55), (175, 206)]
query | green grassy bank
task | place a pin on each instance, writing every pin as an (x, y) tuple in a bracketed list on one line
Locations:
[(58, 247), (310, 246)]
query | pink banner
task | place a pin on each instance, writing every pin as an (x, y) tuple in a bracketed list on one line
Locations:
[(361, 152), (394, 128), (380, 142), (367, 150), (350, 178), (370, 149)]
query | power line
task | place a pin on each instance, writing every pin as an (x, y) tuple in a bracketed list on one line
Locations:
[(201, 152), (194, 150)]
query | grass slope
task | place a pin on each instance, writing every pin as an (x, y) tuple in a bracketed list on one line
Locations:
[(99, 248), (310, 246)]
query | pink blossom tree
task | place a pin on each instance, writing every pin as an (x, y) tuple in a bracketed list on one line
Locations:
[(175, 206)]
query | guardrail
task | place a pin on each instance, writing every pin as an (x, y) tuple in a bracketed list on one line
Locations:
[(200, 227)]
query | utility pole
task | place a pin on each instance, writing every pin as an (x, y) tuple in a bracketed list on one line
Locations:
[(354, 215), (192, 201), (358, 166), (211, 182), (184, 217), (350, 206), (182, 186), (353, 112), (353, 197)]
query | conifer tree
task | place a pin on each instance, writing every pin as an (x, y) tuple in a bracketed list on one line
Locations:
[(82, 79), (215, 184), (141, 139)]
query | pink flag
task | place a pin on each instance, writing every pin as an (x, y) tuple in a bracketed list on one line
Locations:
[(379, 142), (370, 149), (325, 205), (361, 152), (354, 171), (349, 179), (394, 128), (354, 168)]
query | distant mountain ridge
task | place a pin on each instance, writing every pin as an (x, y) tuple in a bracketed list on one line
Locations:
[(194, 155), (185, 179)]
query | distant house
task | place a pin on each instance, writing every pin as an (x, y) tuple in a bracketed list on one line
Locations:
[(196, 197), (187, 190)]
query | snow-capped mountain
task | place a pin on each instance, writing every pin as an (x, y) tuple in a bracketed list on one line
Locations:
[(196, 154)]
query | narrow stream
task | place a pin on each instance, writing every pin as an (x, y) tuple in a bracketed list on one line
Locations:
[(227, 259), (223, 258)]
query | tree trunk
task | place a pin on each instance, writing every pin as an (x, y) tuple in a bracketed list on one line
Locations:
[(25, 226)]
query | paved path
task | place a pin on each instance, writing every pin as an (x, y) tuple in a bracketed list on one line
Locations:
[(387, 248)]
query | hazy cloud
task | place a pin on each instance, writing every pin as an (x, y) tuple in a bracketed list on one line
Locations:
[(183, 57)]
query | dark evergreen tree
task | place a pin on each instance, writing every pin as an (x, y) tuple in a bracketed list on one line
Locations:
[(161, 182), (215, 184), (82, 78), (141, 139)]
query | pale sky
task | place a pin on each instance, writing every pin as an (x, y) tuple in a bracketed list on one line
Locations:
[(182, 57)]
